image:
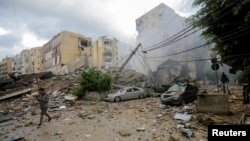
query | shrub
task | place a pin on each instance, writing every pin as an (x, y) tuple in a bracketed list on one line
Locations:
[(93, 80)]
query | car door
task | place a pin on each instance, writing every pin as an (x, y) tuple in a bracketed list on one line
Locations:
[(128, 94), (190, 93), (136, 93)]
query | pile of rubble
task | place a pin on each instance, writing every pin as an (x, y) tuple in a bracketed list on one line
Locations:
[(142, 119)]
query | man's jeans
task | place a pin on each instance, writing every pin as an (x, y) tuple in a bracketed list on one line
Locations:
[(225, 88)]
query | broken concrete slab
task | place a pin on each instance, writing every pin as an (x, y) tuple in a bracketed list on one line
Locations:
[(15, 93), (124, 132), (70, 97), (181, 116), (5, 118)]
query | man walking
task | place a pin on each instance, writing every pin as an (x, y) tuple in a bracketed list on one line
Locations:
[(43, 100), (224, 79)]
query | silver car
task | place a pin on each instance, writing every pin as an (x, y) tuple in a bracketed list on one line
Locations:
[(126, 93)]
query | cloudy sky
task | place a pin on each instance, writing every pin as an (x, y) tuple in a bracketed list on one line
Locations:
[(31, 23)]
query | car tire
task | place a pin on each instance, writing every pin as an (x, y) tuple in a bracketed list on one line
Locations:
[(141, 96), (117, 99), (183, 102)]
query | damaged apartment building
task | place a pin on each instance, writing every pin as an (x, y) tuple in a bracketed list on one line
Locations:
[(64, 53), (69, 51), (28, 61), (156, 30), (5, 68)]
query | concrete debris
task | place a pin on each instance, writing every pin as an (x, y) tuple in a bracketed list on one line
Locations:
[(187, 132), (70, 97), (140, 129), (75, 119), (189, 109), (124, 132), (174, 137), (184, 117)]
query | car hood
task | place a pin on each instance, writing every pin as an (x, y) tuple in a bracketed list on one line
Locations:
[(114, 93), (170, 93)]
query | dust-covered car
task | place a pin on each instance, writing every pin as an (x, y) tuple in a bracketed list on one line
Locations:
[(126, 93), (180, 93)]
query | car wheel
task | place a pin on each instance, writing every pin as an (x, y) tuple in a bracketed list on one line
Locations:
[(141, 96), (117, 99), (183, 102)]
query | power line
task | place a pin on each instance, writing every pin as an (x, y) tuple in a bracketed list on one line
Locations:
[(182, 51), (121, 60), (14, 9), (173, 40), (208, 43), (134, 63), (176, 33), (238, 55)]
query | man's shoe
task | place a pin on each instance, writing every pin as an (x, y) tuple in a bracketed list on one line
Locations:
[(49, 119), (39, 125)]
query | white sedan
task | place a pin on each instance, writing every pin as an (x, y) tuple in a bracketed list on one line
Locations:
[(126, 93)]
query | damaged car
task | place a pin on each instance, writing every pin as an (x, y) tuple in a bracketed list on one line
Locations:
[(126, 93), (180, 94)]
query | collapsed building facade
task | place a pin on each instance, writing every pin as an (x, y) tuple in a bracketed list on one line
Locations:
[(155, 32), (64, 53)]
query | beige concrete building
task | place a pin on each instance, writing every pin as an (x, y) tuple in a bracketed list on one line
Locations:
[(66, 52), (5, 68), (28, 61), (105, 53), (25, 56), (35, 60), (17, 63)]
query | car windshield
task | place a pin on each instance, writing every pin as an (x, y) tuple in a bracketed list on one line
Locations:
[(122, 90), (176, 88)]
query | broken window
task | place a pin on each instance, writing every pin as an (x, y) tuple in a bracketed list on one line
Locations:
[(107, 42), (107, 53), (84, 43)]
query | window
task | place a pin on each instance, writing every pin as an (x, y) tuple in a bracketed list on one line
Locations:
[(83, 43), (136, 89), (129, 90)]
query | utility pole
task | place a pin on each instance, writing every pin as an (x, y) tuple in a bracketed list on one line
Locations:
[(130, 56), (127, 60)]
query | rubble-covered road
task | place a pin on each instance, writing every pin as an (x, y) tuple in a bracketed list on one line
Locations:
[(135, 120)]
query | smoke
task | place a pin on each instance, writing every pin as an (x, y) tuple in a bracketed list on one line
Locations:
[(162, 56)]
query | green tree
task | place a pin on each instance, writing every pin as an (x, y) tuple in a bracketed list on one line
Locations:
[(226, 24), (93, 80)]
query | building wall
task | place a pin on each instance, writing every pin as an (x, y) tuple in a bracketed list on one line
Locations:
[(5, 68), (36, 59), (64, 48), (17, 63), (28, 61), (105, 53), (156, 26), (24, 60)]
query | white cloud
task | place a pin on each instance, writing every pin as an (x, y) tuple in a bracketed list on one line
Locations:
[(3, 31), (35, 22), (29, 39)]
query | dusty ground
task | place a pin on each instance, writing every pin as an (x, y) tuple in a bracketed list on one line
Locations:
[(135, 120)]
